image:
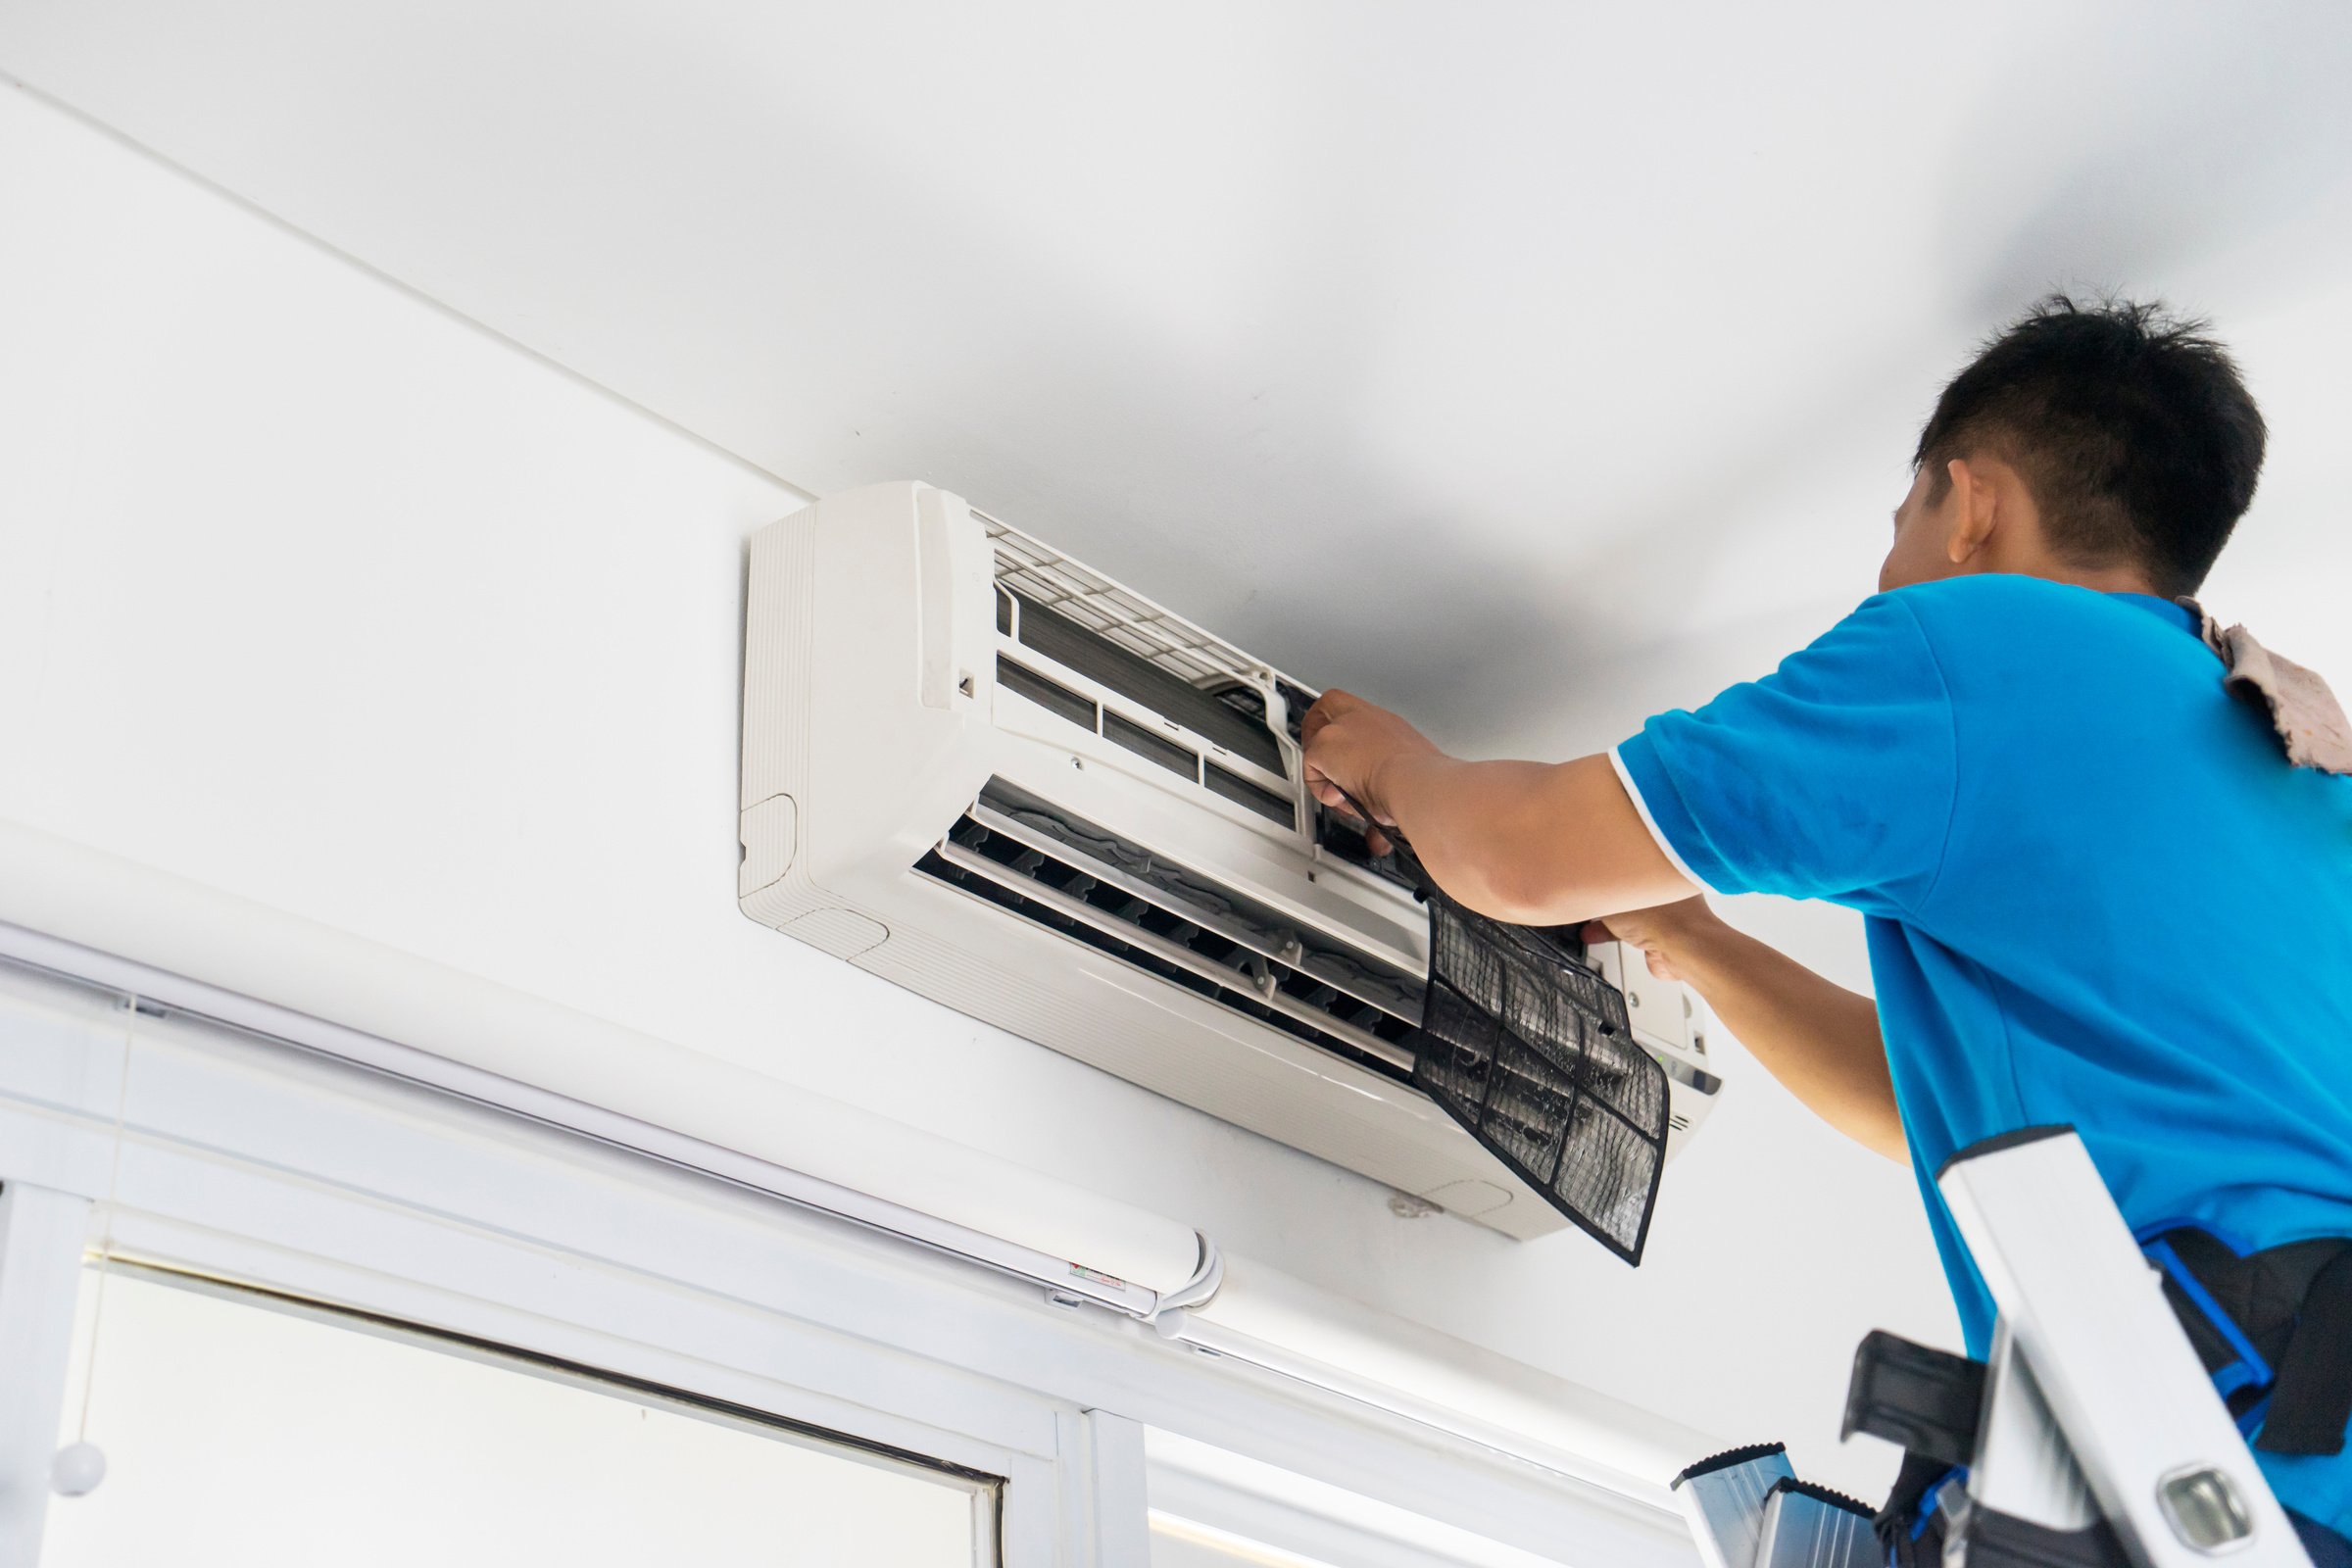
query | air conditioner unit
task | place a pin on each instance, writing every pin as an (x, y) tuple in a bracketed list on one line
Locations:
[(973, 766)]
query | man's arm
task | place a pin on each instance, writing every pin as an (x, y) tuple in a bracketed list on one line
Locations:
[(1820, 1040), (1559, 844), (1531, 842)]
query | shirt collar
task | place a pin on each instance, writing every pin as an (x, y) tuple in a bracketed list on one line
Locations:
[(2162, 609)]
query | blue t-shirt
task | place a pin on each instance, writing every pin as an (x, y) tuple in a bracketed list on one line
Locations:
[(2096, 893)]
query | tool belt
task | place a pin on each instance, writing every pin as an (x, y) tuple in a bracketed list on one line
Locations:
[(2273, 1328)]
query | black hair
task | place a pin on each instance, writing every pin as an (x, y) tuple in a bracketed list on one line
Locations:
[(2132, 428)]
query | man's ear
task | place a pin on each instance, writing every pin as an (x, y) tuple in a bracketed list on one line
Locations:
[(1976, 512)]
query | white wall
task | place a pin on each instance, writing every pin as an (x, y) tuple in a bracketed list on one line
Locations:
[(311, 591)]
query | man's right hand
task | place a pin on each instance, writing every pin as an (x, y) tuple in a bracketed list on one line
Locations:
[(1665, 933)]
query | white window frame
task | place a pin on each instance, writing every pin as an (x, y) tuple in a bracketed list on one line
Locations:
[(249, 1161)]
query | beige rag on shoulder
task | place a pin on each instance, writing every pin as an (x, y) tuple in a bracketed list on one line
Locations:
[(2310, 722)]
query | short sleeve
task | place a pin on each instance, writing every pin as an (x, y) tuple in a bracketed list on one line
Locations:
[(1834, 777)]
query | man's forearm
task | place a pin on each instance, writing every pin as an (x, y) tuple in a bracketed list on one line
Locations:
[(1820, 1040), (1532, 843)]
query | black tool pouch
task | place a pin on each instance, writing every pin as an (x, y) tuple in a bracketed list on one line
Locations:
[(2274, 1329), (1914, 1539)]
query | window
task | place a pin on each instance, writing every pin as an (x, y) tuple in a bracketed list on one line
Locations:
[(244, 1430)]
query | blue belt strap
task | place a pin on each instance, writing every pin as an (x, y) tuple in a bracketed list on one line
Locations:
[(2249, 1370)]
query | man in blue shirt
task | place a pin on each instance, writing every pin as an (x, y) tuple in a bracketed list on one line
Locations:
[(2020, 762)]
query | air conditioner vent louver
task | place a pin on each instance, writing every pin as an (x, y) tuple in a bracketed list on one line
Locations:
[(1051, 891), (1010, 810), (1043, 889), (1118, 898)]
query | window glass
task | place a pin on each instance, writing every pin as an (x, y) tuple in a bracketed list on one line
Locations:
[(237, 1431)]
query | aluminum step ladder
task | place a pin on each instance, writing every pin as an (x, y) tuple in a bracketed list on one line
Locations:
[(2092, 1435)]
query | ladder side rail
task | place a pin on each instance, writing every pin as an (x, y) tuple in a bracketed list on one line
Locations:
[(2024, 1467)]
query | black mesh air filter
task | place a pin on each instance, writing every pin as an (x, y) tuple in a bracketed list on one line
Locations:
[(1531, 1051)]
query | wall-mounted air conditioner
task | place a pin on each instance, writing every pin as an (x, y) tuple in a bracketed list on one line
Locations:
[(976, 768)]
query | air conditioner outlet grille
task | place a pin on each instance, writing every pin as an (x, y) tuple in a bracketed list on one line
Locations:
[(1198, 900), (988, 864), (1065, 898)]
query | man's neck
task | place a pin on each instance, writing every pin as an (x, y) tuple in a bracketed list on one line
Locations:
[(2101, 580)]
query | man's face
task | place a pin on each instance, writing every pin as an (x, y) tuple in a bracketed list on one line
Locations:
[(1922, 534)]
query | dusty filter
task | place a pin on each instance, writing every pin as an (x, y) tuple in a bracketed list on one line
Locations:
[(1531, 1051)]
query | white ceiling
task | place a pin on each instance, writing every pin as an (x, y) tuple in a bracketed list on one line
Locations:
[(1440, 351)]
